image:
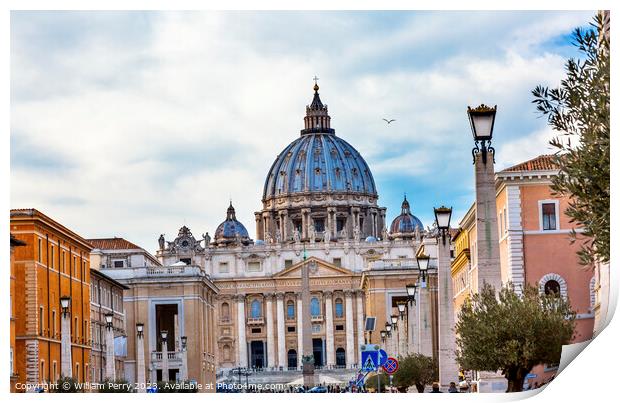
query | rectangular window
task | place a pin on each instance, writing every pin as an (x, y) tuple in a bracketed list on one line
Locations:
[(256, 330), (223, 267), (63, 263), (119, 264), (501, 222), (74, 265), (288, 263), (548, 216), (39, 250), (319, 224), (253, 266), (340, 327), (51, 262), (53, 323), (54, 378), (505, 221), (340, 222), (290, 329), (337, 262)]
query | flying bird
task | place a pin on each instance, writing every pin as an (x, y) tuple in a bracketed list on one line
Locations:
[(389, 121)]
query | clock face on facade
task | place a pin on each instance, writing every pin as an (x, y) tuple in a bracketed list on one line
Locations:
[(185, 243)]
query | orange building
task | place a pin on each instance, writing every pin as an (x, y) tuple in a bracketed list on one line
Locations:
[(534, 246), (53, 264), (14, 243)]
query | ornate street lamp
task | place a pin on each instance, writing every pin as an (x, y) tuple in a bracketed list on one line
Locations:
[(140, 329), (423, 267), (64, 304), (401, 309), (411, 290), (183, 342), (109, 317), (388, 328), (442, 220), (164, 335), (394, 319), (482, 120), (383, 335)]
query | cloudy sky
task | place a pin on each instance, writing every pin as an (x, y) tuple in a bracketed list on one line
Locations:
[(132, 124)]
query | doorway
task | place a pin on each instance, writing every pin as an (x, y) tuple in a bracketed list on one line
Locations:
[(317, 350), (257, 354)]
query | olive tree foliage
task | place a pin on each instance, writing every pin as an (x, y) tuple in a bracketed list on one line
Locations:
[(417, 370), (512, 332), (579, 109)]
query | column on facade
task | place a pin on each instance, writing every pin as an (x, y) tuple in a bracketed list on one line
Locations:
[(271, 358), (448, 368), (300, 339), (140, 366), (259, 227), (281, 336), (242, 351), (304, 222), (348, 297), (285, 226), (65, 345), (359, 295), (329, 329)]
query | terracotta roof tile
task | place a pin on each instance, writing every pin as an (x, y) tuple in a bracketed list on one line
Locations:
[(112, 243), (541, 163)]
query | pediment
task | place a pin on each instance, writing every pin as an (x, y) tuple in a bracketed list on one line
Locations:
[(323, 269)]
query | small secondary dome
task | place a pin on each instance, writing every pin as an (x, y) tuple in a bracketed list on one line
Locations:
[(231, 230), (406, 223)]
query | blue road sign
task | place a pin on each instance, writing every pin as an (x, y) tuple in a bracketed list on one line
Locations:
[(151, 389), (370, 358), (382, 357), (530, 376)]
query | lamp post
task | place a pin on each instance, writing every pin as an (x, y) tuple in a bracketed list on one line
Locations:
[(184, 376), (482, 120), (423, 268), (383, 335), (448, 369), (412, 318), (404, 328), (140, 368), (110, 368), (395, 339), (65, 338), (164, 356)]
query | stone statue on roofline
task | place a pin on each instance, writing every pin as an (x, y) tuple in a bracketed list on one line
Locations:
[(162, 242)]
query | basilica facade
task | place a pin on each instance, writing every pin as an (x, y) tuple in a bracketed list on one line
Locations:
[(211, 307), (320, 209)]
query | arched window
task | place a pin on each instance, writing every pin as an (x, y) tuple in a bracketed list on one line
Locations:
[(256, 310), (290, 309), (340, 357), (315, 308), (552, 283), (552, 287), (225, 310), (339, 310)]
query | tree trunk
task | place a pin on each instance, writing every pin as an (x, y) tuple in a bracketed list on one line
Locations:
[(516, 377)]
